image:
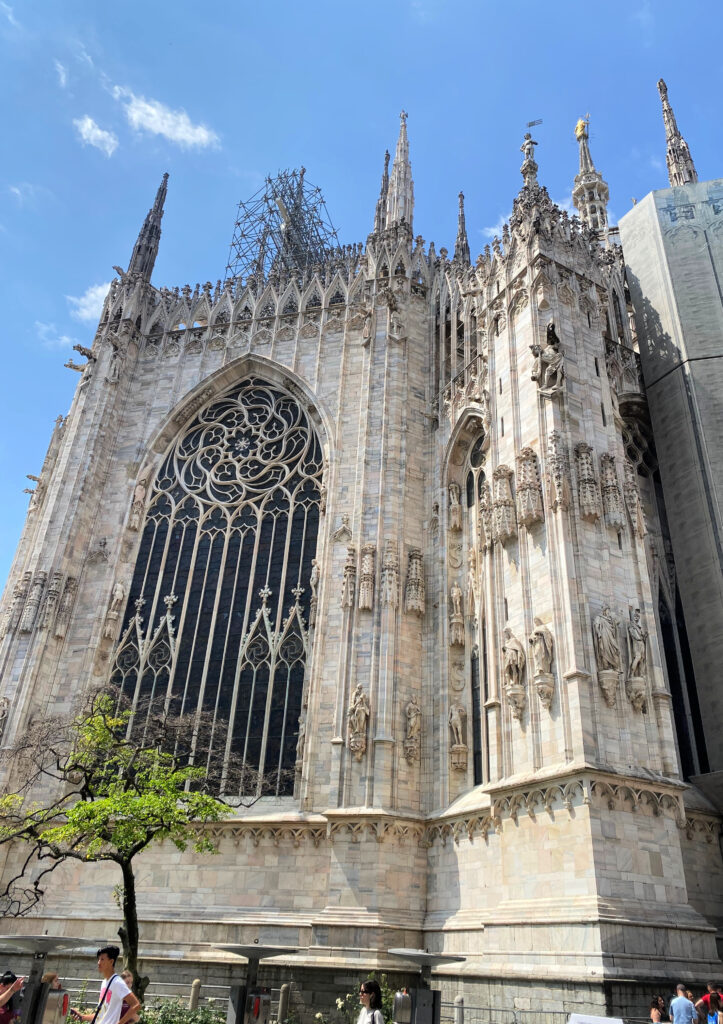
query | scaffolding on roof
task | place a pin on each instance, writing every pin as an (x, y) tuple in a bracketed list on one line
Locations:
[(284, 226)]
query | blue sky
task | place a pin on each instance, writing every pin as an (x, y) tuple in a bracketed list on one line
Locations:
[(101, 99)]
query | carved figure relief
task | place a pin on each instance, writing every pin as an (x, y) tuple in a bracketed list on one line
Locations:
[(114, 609), (35, 595), (414, 596), (529, 489), (4, 712), (607, 654), (485, 525), (548, 369), (632, 500), (612, 499), (513, 667), (390, 575), (300, 743), (542, 646), (343, 534), (367, 328), (357, 719), (138, 504), (20, 593), (635, 685), (348, 585), (396, 326), (472, 583), (413, 735), (65, 607), (456, 620), (314, 585), (434, 519), (51, 601), (455, 509), (558, 469), (457, 724), (588, 493), (504, 518), (367, 577)]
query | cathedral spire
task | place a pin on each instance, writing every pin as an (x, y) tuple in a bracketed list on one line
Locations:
[(681, 169), (400, 198), (461, 246), (380, 216), (146, 248), (590, 193)]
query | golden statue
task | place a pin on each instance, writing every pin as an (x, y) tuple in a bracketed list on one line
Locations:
[(581, 127)]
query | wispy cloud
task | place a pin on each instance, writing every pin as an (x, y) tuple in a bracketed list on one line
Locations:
[(88, 306), (7, 11), (158, 119), (495, 229), (565, 204), (62, 73), (49, 337), (424, 10), (25, 193), (656, 163), (644, 18), (92, 134), (83, 56)]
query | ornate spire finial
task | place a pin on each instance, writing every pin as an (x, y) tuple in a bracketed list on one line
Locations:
[(461, 246), (681, 169), (590, 193), (380, 215), (529, 167), (145, 250), (400, 198)]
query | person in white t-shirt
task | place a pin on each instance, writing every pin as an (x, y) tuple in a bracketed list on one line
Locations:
[(113, 993)]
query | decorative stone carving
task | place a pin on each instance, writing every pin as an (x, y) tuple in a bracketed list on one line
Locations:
[(35, 596), (454, 554), (636, 683), (587, 488), (472, 584), (456, 674), (542, 646), (558, 470), (456, 620), (4, 712), (367, 577), (396, 326), (612, 499), (390, 575), (529, 489), (51, 601), (114, 609), (357, 719), (37, 493), (513, 667), (485, 523), (367, 328), (607, 654), (314, 585), (548, 369), (65, 607), (300, 743), (455, 509), (434, 519), (20, 593), (414, 596), (323, 488), (413, 735), (343, 534), (138, 504), (632, 500), (504, 518), (348, 585), (458, 727)]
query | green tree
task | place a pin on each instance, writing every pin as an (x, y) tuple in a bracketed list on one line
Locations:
[(120, 781)]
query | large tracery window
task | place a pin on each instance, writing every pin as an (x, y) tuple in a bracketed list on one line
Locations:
[(216, 620)]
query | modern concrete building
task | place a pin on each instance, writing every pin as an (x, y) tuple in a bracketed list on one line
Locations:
[(395, 519)]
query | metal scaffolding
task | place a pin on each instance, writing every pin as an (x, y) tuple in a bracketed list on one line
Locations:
[(284, 226)]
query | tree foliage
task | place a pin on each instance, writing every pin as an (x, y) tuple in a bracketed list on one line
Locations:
[(99, 787)]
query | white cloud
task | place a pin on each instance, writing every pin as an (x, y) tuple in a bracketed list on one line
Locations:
[(92, 134), (62, 74), (158, 119), (496, 229), (566, 204), (49, 338), (89, 305), (7, 10), (84, 57), (24, 192)]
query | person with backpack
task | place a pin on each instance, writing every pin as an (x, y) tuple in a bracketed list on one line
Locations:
[(114, 994), (370, 997)]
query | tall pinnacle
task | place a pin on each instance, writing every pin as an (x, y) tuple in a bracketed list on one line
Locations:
[(380, 215), (146, 248), (681, 169), (590, 193), (461, 246), (400, 198)]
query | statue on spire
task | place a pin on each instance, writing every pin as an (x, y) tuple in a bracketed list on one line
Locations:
[(529, 167), (681, 169), (590, 193)]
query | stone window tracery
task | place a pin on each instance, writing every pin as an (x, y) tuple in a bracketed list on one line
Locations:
[(217, 614)]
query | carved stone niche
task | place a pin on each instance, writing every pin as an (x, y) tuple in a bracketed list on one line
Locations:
[(504, 518), (611, 496), (588, 492), (458, 734), (456, 617), (529, 490)]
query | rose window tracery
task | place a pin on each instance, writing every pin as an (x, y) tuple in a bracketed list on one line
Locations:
[(216, 620)]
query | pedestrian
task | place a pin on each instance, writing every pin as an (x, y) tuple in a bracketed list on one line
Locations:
[(10, 984), (114, 993), (682, 1009), (370, 997), (657, 1010), (703, 1004), (128, 979)]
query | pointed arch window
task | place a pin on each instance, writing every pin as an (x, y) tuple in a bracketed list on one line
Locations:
[(217, 613)]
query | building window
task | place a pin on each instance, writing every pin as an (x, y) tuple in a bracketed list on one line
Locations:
[(217, 612)]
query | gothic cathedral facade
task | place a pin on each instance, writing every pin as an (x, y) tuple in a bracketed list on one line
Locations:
[(394, 523)]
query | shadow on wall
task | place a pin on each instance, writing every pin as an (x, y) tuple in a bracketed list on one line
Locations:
[(658, 352)]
